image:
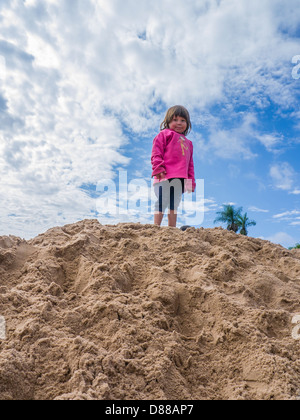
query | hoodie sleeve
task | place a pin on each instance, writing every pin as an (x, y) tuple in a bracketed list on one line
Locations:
[(158, 152), (191, 172)]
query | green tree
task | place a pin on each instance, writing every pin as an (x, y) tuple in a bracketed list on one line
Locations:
[(297, 246), (244, 222), (230, 215)]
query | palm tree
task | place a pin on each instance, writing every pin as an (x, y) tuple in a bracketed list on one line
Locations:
[(244, 222), (230, 216)]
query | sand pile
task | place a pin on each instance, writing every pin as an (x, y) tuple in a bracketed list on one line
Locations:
[(139, 312)]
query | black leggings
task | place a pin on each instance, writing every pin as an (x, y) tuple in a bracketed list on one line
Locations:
[(168, 196)]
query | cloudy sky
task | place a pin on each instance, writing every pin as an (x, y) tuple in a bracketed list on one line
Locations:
[(84, 85)]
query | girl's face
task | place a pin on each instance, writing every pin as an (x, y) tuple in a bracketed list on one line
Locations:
[(178, 124)]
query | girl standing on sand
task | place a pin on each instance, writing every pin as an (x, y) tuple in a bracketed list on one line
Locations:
[(172, 164)]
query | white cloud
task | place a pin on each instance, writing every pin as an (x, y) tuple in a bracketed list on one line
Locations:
[(283, 176), (239, 141), (271, 140), (292, 217), (257, 209), (283, 239), (230, 144), (287, 214)]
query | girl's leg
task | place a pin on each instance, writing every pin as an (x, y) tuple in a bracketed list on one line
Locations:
[(176, 192), (158, 209), (158, 217), (172, 216)]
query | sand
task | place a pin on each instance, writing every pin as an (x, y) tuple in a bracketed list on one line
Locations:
[(140, 312)]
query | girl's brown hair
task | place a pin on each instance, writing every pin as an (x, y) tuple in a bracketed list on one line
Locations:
[(177, 111)]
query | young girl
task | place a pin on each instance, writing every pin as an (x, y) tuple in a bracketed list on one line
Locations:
[(172, 164)]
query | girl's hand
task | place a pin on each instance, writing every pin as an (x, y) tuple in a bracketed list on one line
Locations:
[(161, 176), (188, 186)]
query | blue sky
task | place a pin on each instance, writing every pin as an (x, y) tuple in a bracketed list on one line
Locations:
[(85, 84)]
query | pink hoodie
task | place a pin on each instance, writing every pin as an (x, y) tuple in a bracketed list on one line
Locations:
[(172, 154)]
